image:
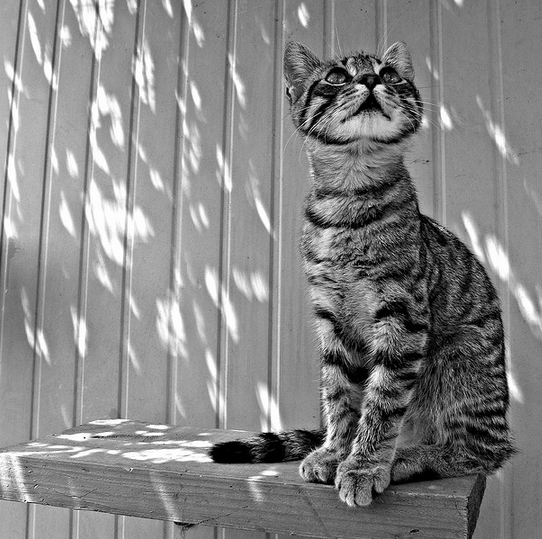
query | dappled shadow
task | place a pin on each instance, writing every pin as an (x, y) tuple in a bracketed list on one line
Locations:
[(491, 252), (166, 457), (112, 196), (154, 216), (125, 439)]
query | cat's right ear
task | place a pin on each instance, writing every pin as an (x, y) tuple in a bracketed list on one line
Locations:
[(299, 64)]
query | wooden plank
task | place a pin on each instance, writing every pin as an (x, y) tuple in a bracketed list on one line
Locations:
[(163, 472)]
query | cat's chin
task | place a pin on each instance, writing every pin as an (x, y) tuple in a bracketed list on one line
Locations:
[(370, 127)]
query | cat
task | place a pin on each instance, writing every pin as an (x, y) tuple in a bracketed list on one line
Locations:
[(410, 333)]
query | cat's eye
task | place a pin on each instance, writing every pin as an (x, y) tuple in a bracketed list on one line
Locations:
[(337, 76), (389, 76)]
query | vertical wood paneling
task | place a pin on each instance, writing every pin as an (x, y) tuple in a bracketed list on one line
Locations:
[(54, 374), (193, 291), (106, 212), (496, 519), (148, 210), (469, 179), (520, 142), (106, 205), (202, 177), (411, 22), (249, 232), (94, 26), (434, 62), (29, 159), (14, 378), (151, 207), (149, 216), (298, 367), (247, 223)]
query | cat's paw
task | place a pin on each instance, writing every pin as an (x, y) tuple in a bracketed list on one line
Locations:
[(407, 465), (356, 482), (320, 466)]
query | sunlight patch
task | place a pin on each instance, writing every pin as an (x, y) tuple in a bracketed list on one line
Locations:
[(238, 84), (66, 217), (269, 408), (109, 422), (71, 164), (515, 390), (167, 6), (220, 296), (170, 325), (143, 70), (223, 173), (434, 72), (80, 332), (77, 437), (194, 25), (445, 119), (160, 456), (95, 22), (65, 36), (496, 132), (303, 15)]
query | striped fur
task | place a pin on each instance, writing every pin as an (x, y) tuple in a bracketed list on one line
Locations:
[(409, 324)]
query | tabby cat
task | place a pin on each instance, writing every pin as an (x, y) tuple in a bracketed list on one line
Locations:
[(410, 332)]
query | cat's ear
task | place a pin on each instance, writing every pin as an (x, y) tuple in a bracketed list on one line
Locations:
[(398, 57), (299, 64)]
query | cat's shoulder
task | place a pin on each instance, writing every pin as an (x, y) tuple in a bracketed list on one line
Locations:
[(434, 230), (441, 240), (445, 245)]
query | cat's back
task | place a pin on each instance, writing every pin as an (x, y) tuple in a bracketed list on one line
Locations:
[(460, 290)]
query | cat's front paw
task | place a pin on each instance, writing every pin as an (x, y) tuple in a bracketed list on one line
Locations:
[(356, 481), (320, 466)]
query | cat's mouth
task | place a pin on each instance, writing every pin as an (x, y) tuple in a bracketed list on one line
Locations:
[(370, 105)]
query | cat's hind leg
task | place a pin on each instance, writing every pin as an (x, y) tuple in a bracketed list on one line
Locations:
[(424, 462)]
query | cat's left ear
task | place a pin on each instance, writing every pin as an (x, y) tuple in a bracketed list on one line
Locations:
[(398, 57), (299, 65)]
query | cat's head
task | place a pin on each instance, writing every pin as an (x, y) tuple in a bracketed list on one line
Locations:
[(359, 98)]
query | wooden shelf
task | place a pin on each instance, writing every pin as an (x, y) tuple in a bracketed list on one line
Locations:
[(163, 472)]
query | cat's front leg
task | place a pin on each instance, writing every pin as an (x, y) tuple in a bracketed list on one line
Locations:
[(341, 401), (357, 480), (367, 469), (320, 466)]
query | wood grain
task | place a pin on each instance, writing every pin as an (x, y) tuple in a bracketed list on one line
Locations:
[(163, 472)]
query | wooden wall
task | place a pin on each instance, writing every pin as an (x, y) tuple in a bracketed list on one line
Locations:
[(152, 185)]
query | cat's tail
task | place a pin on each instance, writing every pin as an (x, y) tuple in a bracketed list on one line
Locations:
[(269, 447)]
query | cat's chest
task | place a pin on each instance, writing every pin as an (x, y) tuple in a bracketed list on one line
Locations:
[(338, 267), (339, 252), (340, 285)]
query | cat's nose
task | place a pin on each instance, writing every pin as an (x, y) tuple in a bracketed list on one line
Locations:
[(370, 81)]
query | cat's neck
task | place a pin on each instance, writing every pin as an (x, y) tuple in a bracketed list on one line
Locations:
[(345, 169)]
